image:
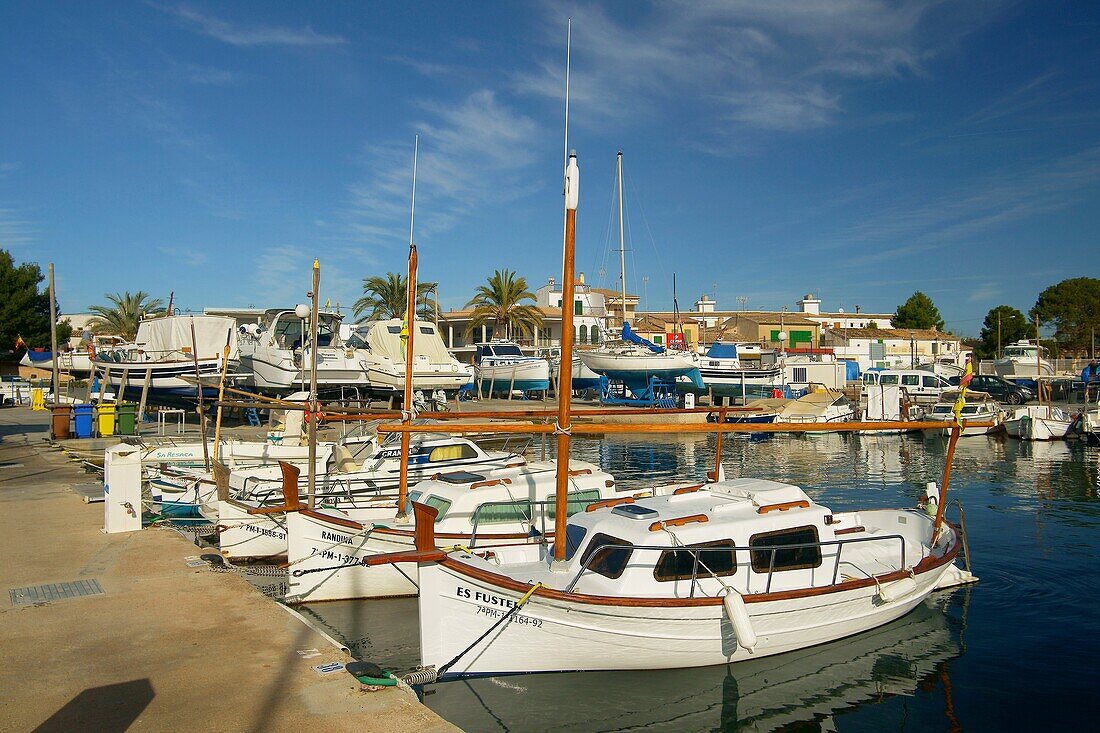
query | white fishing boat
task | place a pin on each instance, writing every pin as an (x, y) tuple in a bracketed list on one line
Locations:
[(484, 509), (351, 476), (502, 368), (636, 361), (275, 353), (434, 369), (734, 571), (979, 407), (1023, 359), (166, 354), (1038, 422)]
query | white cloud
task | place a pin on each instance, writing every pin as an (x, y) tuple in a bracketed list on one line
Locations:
[(15, 229), (242, 35)]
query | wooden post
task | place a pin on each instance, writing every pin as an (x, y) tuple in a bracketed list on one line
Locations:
[(198, 376), (221, 395), (122, 385), (53, 338), (313, 409), (145, 393), (565, 369)]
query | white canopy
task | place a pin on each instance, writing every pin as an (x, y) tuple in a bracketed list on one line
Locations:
[(164, 337)]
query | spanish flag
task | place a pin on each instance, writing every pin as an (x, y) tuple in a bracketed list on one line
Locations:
[(20, 343), (964, 383)]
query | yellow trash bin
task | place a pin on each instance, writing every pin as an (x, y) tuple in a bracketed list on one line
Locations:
[(106, 419), (38, 399)]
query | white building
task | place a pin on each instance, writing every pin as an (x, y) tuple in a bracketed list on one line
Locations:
[(891, 347)]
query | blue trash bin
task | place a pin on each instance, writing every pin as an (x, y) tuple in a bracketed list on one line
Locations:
[(82, 420)]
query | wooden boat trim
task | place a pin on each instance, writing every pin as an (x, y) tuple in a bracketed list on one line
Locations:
[(339, 521), (490, 482), (609, 502), (687, 489), (800, 504), (926, 565), (851, 530), (678, 522), (453, 535)]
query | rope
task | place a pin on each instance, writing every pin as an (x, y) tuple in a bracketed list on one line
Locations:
[(526, 596), (559, 430)]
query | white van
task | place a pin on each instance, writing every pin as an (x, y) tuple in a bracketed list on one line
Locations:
[(921, 386)]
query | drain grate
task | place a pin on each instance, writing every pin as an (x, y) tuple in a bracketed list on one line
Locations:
[(10, 464), (54, 592)]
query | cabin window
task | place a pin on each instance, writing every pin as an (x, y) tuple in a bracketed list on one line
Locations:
[(513, 512), (440, 505), (393, 329), (786, 558), (578, 500), (452, 452), (574, 536), (910, 380), (932, 382), (609, 562), (888, 379), (718, 558), (427, 329)]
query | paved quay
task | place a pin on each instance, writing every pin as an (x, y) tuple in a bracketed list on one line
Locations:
[(164, 646)]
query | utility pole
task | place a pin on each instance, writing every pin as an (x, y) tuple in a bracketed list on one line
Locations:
[(53, 338), (998, 334)]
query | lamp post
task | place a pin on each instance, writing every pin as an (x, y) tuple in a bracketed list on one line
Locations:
[(782, 335)]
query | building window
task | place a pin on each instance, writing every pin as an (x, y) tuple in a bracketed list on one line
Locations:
[(578, 307), (595, 334), (584, 334)]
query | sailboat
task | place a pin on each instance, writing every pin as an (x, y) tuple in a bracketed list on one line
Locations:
[(636, 360)]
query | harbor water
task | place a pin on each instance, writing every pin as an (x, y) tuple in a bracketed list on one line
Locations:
[(1018, 650)]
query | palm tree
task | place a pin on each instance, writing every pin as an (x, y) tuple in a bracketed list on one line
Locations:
[(501, 301), (122, 317), (385, 297)]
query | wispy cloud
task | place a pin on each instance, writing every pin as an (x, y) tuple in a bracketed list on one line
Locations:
[(185, 254), (9, 166), (960, 217), (471, 154), (15, 228), (246, 35), (750, 65)]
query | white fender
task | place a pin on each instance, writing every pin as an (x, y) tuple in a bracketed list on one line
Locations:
[(738, 615), (897, 590)]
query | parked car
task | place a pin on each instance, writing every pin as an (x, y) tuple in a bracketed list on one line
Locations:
[(999, 388)]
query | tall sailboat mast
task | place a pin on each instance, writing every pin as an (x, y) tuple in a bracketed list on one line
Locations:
[(622, 248)]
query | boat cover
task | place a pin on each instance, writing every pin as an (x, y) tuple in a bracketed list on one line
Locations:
[(633, 338), (384, 339), (167, 337)]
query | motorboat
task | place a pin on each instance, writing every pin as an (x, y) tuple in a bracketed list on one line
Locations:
[(732, 571), (1038, 422), (275, 353), (503, 368), (434, 369), (477, 509), (723, 371), (583, 377), (167, 357), (978, 407), (1023, 359), (819, 405)]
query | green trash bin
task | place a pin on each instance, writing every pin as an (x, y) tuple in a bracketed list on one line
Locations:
[(61, 421), (127, 418), (106, 419)]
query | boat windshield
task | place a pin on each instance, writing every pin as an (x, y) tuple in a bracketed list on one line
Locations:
[(504, 350)]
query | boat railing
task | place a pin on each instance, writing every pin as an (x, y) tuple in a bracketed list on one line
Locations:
[(772, 550)]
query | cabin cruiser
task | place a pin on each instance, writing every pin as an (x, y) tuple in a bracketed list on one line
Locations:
[(819, 405), (979, 407), (434, 369), (722, 369), (1023, 359), (275, 352), (166, 357), (727, 572), (502, 367)]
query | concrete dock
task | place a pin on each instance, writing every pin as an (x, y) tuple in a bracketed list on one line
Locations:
[(163, 646)]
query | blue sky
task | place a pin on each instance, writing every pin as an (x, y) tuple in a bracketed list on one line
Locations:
[(856, 149)]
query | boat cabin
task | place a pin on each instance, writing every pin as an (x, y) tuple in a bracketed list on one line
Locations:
[(495, 348)]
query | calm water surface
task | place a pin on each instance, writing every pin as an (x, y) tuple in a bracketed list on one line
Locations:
[(1018, 650)]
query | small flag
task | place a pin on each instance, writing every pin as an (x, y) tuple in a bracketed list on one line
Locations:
[(20, 343), (964, 383)]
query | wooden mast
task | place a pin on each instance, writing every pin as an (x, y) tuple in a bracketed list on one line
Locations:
[(410, 330), (53, 341), (622, 248), (565, 368), (314, 410)]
